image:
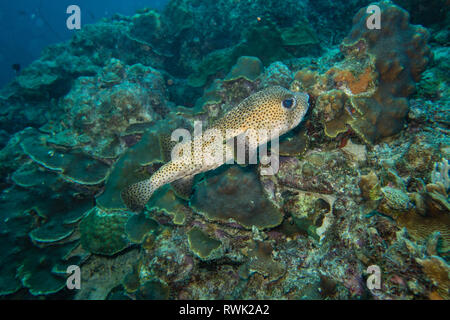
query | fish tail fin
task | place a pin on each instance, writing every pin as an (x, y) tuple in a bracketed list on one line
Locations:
[(137, 195)]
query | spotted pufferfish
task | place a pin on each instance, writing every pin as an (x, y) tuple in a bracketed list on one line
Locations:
[(274, 109)]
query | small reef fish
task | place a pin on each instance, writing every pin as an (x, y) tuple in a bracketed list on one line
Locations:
[(275, 109), (16, 67)]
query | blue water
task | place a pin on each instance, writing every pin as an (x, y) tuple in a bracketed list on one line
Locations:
[(28, 26)]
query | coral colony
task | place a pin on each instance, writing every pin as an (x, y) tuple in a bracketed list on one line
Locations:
[(362, 178)]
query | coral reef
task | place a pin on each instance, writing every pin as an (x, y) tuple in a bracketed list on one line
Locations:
[(202, 245), (104, 233), (370, 86), (121, 97), (246, 67), (264, 40), (253, 210), (363, 181)]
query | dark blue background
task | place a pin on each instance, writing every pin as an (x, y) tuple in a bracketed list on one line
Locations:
[(27, 26)]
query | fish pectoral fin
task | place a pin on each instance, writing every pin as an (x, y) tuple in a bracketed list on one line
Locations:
[(183, 187), (137, 195), (166, 145)]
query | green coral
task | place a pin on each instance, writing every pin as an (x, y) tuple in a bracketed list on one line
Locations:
[(64, 138), (144, 26), (139, 226), (210, 96), (213, 63), (166, 200), (204, 246), (299, 35), (130, 168), (153, 290), (31, 175), (264, 40), (35, 267), (248, 68), (180, 14), (104, 233), (51, 232), (235, 194)]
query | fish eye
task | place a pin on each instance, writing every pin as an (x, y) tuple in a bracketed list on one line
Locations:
[(288, 103)]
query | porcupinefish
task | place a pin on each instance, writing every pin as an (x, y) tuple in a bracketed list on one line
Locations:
[(274, 109)]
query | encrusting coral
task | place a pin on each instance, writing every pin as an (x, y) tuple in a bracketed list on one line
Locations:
[(253, 210), (246, 67), (100, 108)]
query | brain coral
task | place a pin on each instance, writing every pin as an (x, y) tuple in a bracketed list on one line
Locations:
[(104, 233)]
